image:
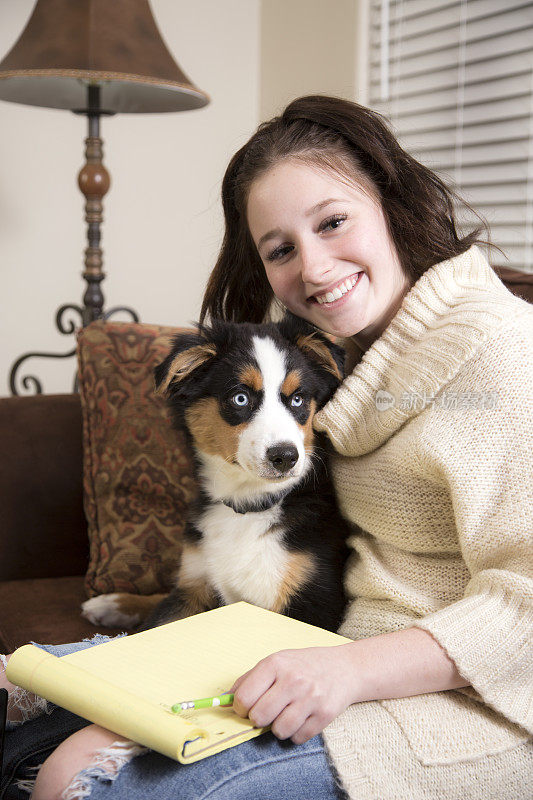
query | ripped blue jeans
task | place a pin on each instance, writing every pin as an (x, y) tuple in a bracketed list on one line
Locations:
[(263, 768)]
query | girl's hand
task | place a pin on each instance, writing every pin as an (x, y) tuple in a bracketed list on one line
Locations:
[(299, 692)]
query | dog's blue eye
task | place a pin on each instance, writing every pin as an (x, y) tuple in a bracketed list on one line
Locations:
[(296, 400), (240, 399)]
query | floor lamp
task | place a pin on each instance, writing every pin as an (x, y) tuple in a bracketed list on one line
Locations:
[(96, 58)]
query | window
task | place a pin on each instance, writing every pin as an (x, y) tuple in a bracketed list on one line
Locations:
[(456, 80)]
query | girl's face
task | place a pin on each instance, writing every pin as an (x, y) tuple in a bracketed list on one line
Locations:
[(326, 250)]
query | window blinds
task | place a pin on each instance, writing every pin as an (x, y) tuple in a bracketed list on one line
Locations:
[(455, 77)]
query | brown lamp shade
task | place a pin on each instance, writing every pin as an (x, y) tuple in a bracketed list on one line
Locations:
[(69, 44)]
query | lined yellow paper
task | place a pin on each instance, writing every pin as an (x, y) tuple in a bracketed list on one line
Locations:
[(128, 684)]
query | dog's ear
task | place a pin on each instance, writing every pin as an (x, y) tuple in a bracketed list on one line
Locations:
[(324, 352), (314, 344), (189, 352)]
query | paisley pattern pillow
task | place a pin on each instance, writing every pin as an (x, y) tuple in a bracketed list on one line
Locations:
[(137, 470)]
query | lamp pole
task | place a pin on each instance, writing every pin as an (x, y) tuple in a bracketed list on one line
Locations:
[(94, 182)]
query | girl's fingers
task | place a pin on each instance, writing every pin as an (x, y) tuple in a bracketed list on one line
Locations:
[(311, 727), (250, 687), (288, 693), (293, 717), (269, 706)]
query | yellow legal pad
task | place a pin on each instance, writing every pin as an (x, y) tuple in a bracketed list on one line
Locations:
[(129, 684)]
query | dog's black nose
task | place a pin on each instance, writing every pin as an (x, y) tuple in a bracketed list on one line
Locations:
[(282, 456)]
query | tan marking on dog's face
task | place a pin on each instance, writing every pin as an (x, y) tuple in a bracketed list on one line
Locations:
[(184, 363), (292, 382), (320, 352), (211, 434), (251, 376), (309, 434), (299, 569)]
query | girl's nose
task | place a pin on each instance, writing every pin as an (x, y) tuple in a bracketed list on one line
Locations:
[(314, 264)]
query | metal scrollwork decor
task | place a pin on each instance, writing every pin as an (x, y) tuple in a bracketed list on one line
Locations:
[(30, 383)]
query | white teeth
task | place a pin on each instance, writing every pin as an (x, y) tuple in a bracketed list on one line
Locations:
[(337, 292)]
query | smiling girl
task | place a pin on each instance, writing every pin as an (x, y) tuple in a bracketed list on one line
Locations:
[(331, 260), (433, 698)]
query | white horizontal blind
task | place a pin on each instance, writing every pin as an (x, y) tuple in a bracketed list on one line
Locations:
[(455, 77)]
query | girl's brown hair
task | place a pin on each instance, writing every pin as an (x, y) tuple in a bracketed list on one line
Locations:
[(356, 143)]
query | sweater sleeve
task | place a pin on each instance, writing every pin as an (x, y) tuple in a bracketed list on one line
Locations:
[(486, 461)]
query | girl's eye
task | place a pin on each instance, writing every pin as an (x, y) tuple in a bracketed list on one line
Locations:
[(332, 223), (296, 400), (240, 399), (279, 253)]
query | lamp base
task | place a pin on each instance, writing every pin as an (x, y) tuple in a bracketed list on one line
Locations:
[(32, 384)]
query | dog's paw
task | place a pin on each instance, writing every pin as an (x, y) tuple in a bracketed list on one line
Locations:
[(106, 610)]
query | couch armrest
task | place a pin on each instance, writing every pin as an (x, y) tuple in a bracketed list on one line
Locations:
[(518, 282), (43, 532)]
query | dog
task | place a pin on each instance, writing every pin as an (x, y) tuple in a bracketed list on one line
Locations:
[(264, 527)]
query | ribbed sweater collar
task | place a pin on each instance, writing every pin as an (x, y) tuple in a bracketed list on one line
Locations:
[(443, 320)]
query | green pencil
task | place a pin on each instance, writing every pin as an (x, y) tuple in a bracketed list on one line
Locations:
[(203, 702)]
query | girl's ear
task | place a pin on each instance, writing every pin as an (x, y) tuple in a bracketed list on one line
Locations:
[(314, 344), (189, 351)]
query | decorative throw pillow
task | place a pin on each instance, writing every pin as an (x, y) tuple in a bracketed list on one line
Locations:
[(137, 469)]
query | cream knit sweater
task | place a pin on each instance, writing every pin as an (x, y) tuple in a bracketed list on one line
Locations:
[(433, 433)]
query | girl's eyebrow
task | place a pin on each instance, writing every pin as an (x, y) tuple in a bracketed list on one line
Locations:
[(309, 213), (270, 235), (323, 204)]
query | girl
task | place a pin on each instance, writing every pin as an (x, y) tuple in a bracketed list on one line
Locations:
[(433, 438)]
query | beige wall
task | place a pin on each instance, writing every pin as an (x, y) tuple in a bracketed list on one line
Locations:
[(162, 223), (308, 47)]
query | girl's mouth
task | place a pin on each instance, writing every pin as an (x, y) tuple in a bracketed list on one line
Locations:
[(339, 291)]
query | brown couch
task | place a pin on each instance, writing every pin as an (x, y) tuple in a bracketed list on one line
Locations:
[(43, 531)]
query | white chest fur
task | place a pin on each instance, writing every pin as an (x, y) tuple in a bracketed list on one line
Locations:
[(243, 557)]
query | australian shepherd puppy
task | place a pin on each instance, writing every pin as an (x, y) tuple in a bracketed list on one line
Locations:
[(264, 527)]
